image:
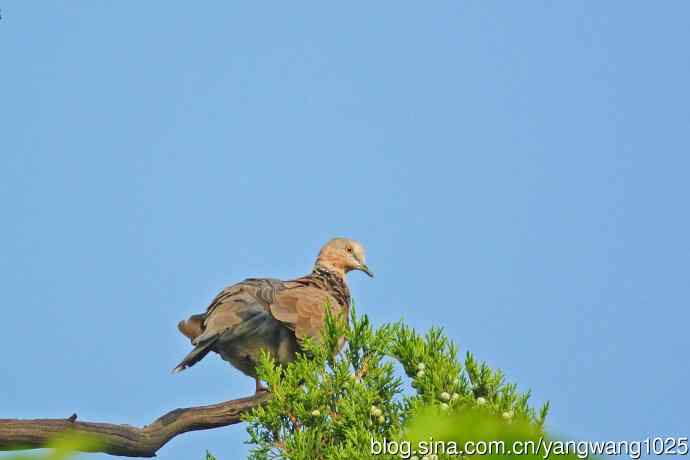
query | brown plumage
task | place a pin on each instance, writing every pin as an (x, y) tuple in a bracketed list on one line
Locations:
[(268, 314)]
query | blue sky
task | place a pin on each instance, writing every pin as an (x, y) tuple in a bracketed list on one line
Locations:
[(517, 170)]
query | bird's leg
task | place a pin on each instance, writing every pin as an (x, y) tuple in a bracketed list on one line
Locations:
[(259, 387)]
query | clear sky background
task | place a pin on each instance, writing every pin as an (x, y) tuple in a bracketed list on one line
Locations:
[(518, 172)]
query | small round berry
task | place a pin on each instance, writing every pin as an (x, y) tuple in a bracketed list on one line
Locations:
[(444, 406), (315, 413), (445, 396), (454, 397), (376, 412), (481, 400), (508, 415), (421, 366), (420, 374), (380, 419)]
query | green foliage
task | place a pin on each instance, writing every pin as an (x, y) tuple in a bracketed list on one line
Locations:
[(338, 405), (63, 447)]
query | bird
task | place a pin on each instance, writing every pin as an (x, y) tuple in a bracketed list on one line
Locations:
[(273, 315)]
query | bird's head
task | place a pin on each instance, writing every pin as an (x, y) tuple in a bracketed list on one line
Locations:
[(342, 255)]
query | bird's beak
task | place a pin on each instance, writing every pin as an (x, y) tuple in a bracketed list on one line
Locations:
[(365, 269)]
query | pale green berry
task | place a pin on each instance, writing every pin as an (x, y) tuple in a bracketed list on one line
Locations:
[(421, 366), (444, 406), (420, 374), (444, 396), (456, 381), (481, 401), (376, 412), (454, 397), (380, 419), (508, 415), (315, 413)]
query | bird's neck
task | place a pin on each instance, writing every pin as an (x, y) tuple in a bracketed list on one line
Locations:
[(333, 281), (322, 266)]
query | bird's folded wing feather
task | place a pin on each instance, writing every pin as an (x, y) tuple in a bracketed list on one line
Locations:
[(300, 308), (237, 304), (303, 309)]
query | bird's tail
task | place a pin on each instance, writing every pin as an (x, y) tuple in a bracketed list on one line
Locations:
[(196, 355), (192, 327)]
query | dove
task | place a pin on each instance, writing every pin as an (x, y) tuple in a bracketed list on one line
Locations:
[(273, 315)]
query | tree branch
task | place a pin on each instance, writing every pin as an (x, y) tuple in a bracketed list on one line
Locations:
[(127, 440)]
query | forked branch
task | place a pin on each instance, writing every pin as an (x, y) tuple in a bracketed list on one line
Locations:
[(126, 440)]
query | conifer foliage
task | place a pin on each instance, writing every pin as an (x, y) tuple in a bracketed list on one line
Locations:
[(337, 405)]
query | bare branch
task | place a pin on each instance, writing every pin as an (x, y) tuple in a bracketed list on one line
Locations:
[(127, 440)]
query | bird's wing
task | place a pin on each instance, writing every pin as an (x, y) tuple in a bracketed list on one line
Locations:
[(238, 312), (238, 309), (303, 309), (195, 325)]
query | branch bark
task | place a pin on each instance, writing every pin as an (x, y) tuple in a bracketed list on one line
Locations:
[(127, 440)]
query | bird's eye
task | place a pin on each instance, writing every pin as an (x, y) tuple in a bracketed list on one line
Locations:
[(349, 249)]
